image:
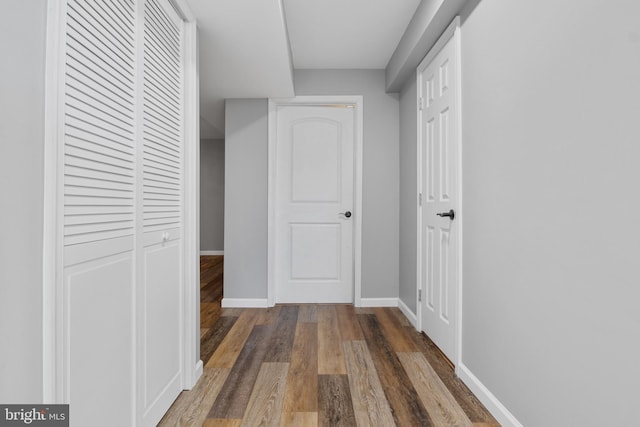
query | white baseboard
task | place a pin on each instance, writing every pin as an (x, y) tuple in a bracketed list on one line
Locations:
[(408, 313), (197, 373), (491, 402), (378, 302), (211, 252), (245, 303)]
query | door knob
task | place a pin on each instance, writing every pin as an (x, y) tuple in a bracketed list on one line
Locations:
[(451, 214), (347, 214)]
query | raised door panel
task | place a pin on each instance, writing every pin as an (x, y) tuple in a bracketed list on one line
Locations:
[(100, 342), (315, 161), (161, 325)]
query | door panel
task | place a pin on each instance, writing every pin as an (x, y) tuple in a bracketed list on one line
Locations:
[(439, 187), (315, 161), (100, 341), (97, 205), (160, 237), (162, 324), (315, 251), (315, 180)]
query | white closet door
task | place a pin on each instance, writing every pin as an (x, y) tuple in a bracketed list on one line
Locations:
[(160, 305), (98, 209)]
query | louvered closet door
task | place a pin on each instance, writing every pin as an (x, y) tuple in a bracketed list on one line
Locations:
[(98, 208), (161, 155)]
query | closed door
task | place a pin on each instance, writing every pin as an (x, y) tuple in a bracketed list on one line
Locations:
[(97, 297), (314, 204), (121, 308), (160, 305), (439, 198)]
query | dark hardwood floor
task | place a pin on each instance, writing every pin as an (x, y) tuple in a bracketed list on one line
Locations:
[(318, 365)]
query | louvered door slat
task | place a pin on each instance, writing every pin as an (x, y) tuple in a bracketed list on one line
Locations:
[(169, 30), (166, 112), (97, 97), (120, 8), (154, 47), (83, 181), (95, 218), (71, 211), (170, 83), (80, 73), (162, 118), (158, 136), (84, 15), (90, 150), (99, 119), (97, 53), (100, 105), (163, 126), (160, 32), (156, 93), (160, 163)]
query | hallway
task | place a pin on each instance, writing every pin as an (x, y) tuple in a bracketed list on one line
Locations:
[(307, 365)]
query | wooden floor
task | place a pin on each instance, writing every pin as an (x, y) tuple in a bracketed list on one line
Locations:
[(318, 365)]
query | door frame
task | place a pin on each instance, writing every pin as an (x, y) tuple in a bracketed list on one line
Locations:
[(55, 371), (451, 33), (357, 102)]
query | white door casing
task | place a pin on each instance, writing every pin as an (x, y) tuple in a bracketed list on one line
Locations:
[(439, 240), (315, 210)]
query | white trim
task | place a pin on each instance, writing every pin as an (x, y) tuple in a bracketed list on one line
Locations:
[(211, 252), (191, 224), (52, 373), (378, 302), (452, 32), (199, 369), (491, 402), (358, 102), (410, 315), (458, 42), (245, 303), (271, 205)]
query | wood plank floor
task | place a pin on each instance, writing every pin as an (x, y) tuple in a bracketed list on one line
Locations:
[(318, 365)]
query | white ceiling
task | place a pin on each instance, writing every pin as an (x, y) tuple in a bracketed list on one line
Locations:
[(346, 33), (248, 48)]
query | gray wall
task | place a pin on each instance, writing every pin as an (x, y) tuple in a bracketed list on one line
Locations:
[(22, 49), (212, 194), (246, 183), (380, 169), (408, 192), (551, 174), (246, 197)]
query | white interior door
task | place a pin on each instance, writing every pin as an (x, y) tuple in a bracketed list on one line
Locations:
[(160, 278), (97, 200), (438, 85), (314, 203), (119, 216)]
